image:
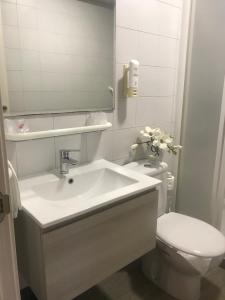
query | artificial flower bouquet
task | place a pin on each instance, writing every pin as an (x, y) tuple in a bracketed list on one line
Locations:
[(157, 141)]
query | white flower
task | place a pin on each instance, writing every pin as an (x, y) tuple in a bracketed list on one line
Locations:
[(146, 135), (163, 146), (157, 132), (156, 143), (178, 147), (148, 129), (168, 140), (134, 146)]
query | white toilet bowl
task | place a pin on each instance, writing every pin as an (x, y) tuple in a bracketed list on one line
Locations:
[(186, 249)]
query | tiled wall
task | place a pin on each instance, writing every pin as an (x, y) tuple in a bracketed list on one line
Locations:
[(147, 30), (58, 50)]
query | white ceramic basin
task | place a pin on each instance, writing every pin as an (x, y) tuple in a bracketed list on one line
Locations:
[(51, 198), (83, 186)]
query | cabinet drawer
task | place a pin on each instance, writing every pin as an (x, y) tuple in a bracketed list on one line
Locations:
[(80, 255)]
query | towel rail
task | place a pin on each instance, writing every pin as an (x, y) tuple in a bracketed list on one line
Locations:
[(17, 137)]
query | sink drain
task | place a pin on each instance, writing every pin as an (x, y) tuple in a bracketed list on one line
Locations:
[(70, 181)]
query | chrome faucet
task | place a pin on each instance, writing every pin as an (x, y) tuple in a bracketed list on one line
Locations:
[(65, 160)]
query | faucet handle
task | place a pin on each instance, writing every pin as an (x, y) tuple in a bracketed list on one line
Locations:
[(69, 150), (65, 152)]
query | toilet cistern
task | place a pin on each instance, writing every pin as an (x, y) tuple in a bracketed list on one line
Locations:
[(65, 160)]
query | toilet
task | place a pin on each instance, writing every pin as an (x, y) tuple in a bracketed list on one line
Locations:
[(186, 248)]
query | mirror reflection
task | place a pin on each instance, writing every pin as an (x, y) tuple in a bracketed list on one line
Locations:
[(59, 56)]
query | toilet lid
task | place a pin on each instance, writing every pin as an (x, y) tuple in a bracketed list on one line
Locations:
[(190, 235)]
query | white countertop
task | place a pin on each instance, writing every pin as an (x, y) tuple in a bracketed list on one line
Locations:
[(52, 210), (144, 167)]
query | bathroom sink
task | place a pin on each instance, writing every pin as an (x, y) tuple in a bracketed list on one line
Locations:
[(51, 198), (83, 186)]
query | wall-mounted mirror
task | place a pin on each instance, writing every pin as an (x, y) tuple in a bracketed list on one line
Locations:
[(59, 55)]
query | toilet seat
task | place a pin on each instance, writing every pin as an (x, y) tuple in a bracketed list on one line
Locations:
[(190, 235)]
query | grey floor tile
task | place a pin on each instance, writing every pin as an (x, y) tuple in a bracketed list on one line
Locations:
[(131, 284)]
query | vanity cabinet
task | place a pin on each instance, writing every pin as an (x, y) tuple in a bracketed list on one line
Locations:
[(61, 262)]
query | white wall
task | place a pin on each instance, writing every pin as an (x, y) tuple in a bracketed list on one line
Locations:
[(147, 30)]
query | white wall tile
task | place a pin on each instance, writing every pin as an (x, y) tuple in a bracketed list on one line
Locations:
[(157, 50), (127, 13), (40, 123), (11, 37), (154, 112), (99, 145), (46, 20), (126, 45), (27, 17), (55, 81), (122, 140), (159, 18), (177, 3), (168, 52), (149, 49), (17, 101), (149, 16), (124, 114), (119, 83), (15, 81), (31, 81), (33, 3), (156, 81), (171, 17), (55, 99), (53, 5), (80, 45), (69, 121), (29, 39), (34, 123), (9, 14), (54, 22), (30, 60), (52, 62), (35, 156), (10, 1), (52, 42), (32, 101), (13, 59)]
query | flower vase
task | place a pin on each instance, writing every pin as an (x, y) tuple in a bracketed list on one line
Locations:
[(155, 157)]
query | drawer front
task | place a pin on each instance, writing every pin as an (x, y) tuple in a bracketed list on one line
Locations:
[(82, 254)]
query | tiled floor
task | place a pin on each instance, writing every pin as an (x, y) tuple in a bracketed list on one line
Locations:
[(127, 284), (130, 284)]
